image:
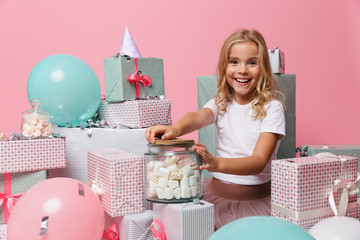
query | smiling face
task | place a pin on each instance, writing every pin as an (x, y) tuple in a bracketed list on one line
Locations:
[(243, 71)]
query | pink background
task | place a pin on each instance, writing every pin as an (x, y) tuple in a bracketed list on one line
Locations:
[(321, 41)]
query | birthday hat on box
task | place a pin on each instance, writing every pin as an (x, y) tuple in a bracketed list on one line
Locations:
[(128, 46)]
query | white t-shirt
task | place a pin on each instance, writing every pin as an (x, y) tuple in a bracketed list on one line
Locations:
[(238, 132)]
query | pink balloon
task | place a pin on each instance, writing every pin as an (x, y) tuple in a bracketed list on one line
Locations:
[(73, 211)]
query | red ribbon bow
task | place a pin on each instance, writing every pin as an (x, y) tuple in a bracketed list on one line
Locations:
[(10, 200), (139, 77), (112, 233), (159, 235)]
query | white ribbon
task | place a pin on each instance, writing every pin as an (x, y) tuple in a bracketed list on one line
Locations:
[(95, 185), (349, 189)]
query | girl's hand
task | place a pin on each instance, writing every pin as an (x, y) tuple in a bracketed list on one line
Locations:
[(210, 162), (165, 132)]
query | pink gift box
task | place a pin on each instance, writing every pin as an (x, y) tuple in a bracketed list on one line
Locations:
[(300, 187), (137, 113), (119, 175), (32, 155), (133, 226), (3, 231)]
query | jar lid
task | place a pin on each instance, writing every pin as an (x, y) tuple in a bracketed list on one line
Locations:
[(174, 142)]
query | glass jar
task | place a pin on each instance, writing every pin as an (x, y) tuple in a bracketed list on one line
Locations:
[(172, 173), (36, 122)]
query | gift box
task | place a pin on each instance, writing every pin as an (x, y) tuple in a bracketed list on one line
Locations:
[(302, 188), (345, 150), (133, 226), (127, 78), (32, 155), (277, 60), (3, 231), (13, 185), (186, 221), (79, 141), (137, 113), (207, 87), (119, 175)]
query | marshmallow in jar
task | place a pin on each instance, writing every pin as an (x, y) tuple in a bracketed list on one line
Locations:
[(172, 173), (36, 122)]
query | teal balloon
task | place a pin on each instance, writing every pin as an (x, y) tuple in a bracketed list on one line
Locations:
[(261, 227), (68, 86)]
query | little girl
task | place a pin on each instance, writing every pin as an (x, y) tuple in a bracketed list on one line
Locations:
[(248, 112)]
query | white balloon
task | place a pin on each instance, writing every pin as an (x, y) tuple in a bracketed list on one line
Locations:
[(336, 228)]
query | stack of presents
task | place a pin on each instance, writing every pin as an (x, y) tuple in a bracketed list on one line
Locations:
[(110, 160)]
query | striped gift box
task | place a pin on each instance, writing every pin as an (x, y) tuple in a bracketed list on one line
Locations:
[(137, 113), (300, 187), (186, 221), (120, 177), (134, 226), (32, 155), (3, 231)]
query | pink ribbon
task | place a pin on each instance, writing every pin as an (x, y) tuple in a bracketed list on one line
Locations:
[(159, 235), (10, 200), (112, 233), (137, 78)]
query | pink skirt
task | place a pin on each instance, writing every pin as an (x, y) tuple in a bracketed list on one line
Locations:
[(233, 201)]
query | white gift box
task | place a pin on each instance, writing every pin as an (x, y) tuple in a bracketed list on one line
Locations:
[(186, 221), (78, 142), (277, 60), (134, 226)]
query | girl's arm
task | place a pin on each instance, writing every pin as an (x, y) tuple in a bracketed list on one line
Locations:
[(251, 165), (188, 123)]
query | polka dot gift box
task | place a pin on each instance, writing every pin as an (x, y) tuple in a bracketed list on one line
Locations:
[(118, 177), (306, 190), (3, 232), (137, 113), (31, 155)]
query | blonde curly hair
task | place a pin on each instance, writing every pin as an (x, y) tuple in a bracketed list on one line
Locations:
[(266, 89)]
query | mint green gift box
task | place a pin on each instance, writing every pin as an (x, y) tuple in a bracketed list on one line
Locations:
[(207, 87), (117, 71)]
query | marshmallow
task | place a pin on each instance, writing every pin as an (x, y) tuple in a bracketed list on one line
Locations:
[(187, 170), (164, 172), (172, 159), (153, 178), (36, 128), (184, 182), (150, 165), (162, 182), (193, 191), (185, 192), (176, 175), (173, 167), (160, 193), (169, 193), (157, 166), (173, 183), (177, 193), (192, 180), (152, 190), (188, 162)]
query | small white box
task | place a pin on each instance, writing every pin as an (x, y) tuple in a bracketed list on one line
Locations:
[(186, 221), (277, 60)]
